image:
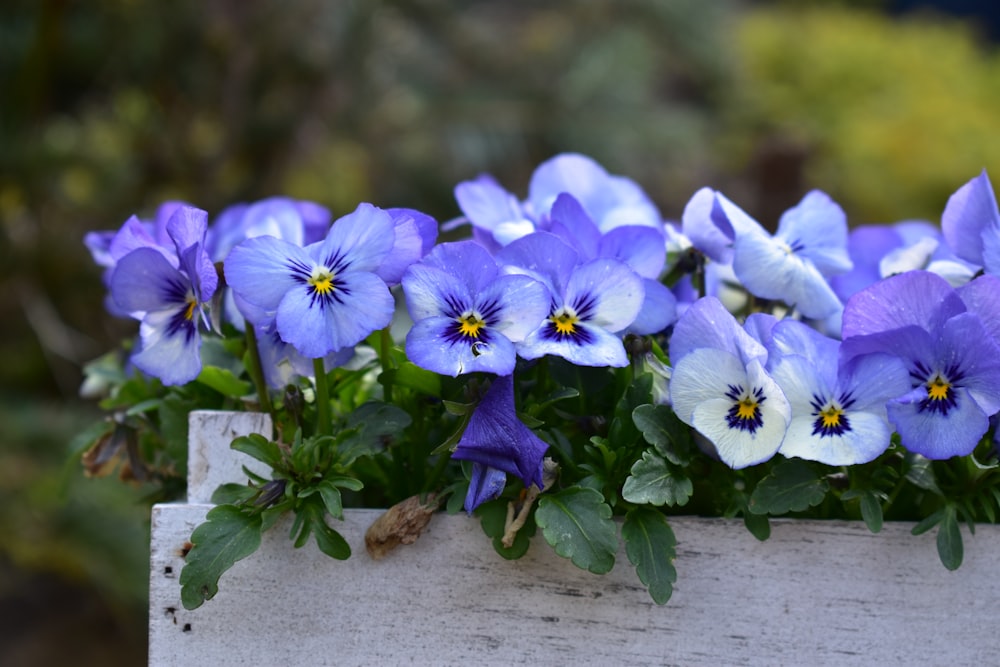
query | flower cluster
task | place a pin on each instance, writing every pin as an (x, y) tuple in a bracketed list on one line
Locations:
[(708, 344)]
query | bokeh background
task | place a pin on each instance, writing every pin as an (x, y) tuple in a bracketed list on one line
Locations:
[(108, 108)]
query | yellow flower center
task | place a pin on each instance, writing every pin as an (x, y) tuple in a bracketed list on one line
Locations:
[(746, 409), (565, 323), (831, 418), (321, 281), (470, 325), (189, 310), (937, 389)]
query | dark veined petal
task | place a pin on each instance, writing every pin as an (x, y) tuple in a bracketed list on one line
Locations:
[(317, 323), (263, 269), (495, 437), (435, 343), (170, 347), (143, 280)]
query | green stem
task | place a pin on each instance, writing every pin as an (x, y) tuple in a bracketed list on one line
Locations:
[(257, 374), (324, 426), (385, 358)]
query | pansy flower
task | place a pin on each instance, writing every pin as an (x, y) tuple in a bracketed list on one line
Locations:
[(498, 217), (971, 224), (467, 315), (950, 351), (720, 387), (838, 411), (642, 248), (589, 303), (498, 441), (169, 291), (325, 296), (792, 265)]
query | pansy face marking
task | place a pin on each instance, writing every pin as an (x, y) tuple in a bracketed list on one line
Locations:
[(744, 415), (563, 323), (472, 325), (322, 281), (940, 388), (831, 415)]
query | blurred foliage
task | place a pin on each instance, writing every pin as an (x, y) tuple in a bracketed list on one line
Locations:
[(889, 117), (109, 111)]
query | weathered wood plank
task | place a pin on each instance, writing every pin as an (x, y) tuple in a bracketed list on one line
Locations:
[(815, 593)]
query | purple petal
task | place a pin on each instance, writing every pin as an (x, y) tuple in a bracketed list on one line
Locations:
[(915, 298), (969, 212)]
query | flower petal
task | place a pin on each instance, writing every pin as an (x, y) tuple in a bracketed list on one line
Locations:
[(363, 238), (935, 435), (143, 281), (917, 298), (970, 211), (318, 326), (614, 289), (431, 344), (168, 352), (869, 435), (260, 270), (817, 228), (593, 347)]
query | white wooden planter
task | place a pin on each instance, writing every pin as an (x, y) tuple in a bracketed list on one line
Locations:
[(815, 593)]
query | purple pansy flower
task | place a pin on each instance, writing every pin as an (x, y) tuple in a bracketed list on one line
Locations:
[(326, 296), (496, 439), (792, 265), (719, 385), (467, 315), (169, 290), (971, 224), (642, 248), (838, 411), (950, 352), (589, 302)]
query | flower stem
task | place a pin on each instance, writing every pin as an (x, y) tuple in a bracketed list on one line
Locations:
[(323, 424), (385, 358), (256, 372)]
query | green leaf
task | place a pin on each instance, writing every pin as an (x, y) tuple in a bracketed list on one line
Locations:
[(871, 511), (758, 525), (493, 520), (927, 523), (228, 535), (623, 431), (233, 494), (949, 540), (414, 377), (329, 491), (662, 428), (577, 523), (921, 474), (792, 486), (370, 426), (654, 482), (650, 547), (257, 446), (224, 381), (330, 541)]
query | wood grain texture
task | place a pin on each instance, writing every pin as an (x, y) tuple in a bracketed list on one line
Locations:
[(815, 593)]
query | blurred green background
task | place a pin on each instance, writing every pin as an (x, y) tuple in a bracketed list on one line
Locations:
[(108, 108)]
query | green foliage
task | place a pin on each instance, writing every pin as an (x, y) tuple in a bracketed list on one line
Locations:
[(577, 523), (791, 486), (657, 482), (874, 111), (228, 535), (650, 546)]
